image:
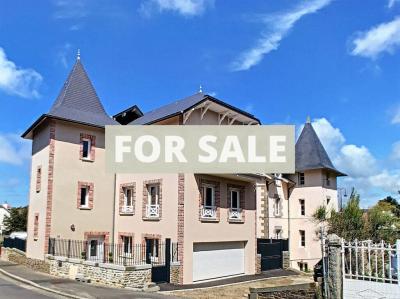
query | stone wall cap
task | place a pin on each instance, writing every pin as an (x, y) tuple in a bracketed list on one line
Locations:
[(60, 258), (91, 263), (301, 286), (175, 264), (124, 268)]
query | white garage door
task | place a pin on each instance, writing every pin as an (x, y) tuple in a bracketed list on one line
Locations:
[(214, 260)]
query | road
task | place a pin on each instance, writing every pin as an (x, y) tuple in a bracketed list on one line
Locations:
[(11, 289)]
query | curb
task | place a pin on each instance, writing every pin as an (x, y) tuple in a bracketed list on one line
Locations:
[(223, 285), (31, 283)]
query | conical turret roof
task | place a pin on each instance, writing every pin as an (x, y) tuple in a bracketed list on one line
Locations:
[(310, 153)]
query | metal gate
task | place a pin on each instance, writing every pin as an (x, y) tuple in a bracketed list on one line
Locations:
[(271, 252), (158, 254), (370, 270)]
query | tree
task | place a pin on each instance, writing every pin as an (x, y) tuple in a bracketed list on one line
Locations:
[(17, 220), (349, 223), (381, 222)]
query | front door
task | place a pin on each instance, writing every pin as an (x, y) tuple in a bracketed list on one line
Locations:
[(96, 248)]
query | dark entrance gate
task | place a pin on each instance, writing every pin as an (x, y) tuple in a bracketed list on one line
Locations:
[(158, 254), (271, 252)]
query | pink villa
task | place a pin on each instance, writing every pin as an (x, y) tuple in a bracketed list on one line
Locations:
[(213, 221)]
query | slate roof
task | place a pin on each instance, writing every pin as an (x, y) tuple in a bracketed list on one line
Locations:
[(77, 102), (181, 106), (310, 153)]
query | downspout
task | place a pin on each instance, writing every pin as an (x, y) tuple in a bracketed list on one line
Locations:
[(267, 219), (113, 215), (288, 197)]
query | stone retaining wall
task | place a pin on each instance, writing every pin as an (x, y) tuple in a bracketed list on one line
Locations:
[(137, 277), (104, 274), (19, 257), (299, 291)]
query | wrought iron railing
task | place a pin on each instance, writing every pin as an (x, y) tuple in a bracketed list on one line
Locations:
[(153, 211), (208, 212), (119, 254)]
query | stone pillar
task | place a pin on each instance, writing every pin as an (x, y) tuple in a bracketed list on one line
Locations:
[(258, 263), (334, 267), (285, 259)]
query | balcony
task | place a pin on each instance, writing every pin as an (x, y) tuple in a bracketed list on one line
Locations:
[(235, 214), (208, 212), (127, 210), (153, 211)]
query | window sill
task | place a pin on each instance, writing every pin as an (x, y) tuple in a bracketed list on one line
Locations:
[(235, 220), (87, 160), (35, 238), (84, 208), (151, 218), (209, 220), (126, 213)]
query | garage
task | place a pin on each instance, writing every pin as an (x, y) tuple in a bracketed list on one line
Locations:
[(215, 260)]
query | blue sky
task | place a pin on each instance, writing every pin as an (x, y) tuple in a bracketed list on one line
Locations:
[(336, 61)]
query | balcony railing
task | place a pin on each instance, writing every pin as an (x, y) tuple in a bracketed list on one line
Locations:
[(235, 214), (208, 212), (153, 211), (127, 209)]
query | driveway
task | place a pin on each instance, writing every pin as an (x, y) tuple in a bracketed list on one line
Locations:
[(238, 290)]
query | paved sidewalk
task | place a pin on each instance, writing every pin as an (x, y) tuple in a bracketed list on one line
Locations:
[(71, 287)]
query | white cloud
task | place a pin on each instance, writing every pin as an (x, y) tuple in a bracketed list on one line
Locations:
[(330, 137), (18, 81), (367, 174), (279, 26), (396, 115), (13, 149), (392, 3), (183, 7), (70, 9), (62, 54), (356, 161), (395, 154), (384, 37), (388, 181)]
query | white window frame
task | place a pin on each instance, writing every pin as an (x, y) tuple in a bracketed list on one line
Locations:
[(89, 148), (302, 234), (328, 200), (238, 199), (212, 196), (277, 206), (302, 174), (126, 189), (302, 202), (130, 240), (86, 205), (278, 233), (157, 199)]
